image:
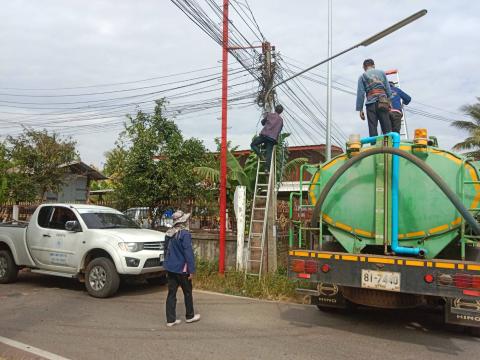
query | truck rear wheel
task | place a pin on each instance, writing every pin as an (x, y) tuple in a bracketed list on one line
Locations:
[(8, 268), (101, 278)]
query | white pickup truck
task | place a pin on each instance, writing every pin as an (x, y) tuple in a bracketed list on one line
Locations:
[(95, 244)]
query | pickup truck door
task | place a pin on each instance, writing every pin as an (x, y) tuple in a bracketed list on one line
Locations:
[(51, 245), (38, 236)]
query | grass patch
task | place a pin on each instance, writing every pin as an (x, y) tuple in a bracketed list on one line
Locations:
[(272, 286)]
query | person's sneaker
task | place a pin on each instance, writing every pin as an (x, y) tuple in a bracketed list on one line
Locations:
[(193, 319), (176, 322)]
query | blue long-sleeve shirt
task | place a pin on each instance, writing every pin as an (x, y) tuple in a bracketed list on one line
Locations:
[(179, 252), (372, 84), (397, 97)]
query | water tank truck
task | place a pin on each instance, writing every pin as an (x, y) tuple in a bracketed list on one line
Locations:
[(390, 224)]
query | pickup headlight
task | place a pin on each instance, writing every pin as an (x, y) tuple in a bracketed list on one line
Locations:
[(130, 246)]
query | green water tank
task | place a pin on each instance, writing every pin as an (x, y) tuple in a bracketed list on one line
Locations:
[(357, 210)]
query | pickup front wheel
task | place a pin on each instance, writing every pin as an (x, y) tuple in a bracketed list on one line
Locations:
[(8, 268), (101, 278)]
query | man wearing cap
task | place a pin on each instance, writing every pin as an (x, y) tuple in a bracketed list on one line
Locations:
[(180, 265), (373, 85)]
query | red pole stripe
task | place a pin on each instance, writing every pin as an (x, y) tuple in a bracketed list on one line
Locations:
[(223, 149)]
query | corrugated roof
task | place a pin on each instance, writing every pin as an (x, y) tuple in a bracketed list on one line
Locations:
[(79, 167)]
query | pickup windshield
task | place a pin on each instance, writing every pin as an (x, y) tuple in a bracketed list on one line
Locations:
[(108, 220)]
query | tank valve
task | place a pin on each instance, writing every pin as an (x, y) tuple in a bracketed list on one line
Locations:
[(353, 145)]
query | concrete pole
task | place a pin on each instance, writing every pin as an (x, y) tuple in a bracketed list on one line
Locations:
[(223, 147), (240, 204), (328, 136)]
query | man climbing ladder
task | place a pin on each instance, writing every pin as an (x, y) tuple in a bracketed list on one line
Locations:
[(272, 126)]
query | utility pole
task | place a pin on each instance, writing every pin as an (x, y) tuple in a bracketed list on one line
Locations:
[(268, 74), (328, 136), (223, 147)]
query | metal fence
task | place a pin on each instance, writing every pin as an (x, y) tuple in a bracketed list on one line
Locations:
[(25, 211), (204, 216)]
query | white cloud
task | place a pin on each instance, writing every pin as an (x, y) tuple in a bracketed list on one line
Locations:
[(55, 43)]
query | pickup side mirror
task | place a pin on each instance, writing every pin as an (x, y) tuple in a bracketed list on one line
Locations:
[(73, 225)]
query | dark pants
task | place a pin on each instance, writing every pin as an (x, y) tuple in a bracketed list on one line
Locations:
[(374, 117), (174, 281), (396, 120), (268, 143)]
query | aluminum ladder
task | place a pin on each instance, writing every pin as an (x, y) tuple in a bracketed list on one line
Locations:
[(258, 220)]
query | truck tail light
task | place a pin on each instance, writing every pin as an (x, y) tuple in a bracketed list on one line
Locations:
[(476, 282), (325, 268), (298, 266), (465, 281), (429, 278), (310, 266), (462, 281)]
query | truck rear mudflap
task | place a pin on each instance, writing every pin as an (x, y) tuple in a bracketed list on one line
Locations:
[(465, 312), (444, 278)]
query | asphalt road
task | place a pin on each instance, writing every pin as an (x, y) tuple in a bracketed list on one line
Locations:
[(57, 315)]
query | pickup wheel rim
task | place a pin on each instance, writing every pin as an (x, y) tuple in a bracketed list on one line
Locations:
[(97, 278), (3, 266)]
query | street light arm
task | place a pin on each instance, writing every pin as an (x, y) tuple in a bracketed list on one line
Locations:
[(309, 68), (365, 42), (393, 28)]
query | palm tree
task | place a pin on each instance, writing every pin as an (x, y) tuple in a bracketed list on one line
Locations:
[(245, 176), (473, 128)]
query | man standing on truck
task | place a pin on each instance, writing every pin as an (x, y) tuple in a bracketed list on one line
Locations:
[(180, 265), (396, 112), (272, 126), (374, 85)]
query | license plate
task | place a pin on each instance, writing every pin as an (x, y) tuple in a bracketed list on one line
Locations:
[(161, 257), (381, 280)]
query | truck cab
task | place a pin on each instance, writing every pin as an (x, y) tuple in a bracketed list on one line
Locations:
[(97, 245)]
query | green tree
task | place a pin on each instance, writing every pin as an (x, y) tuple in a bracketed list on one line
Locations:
[(472, 142), (4, 166), (37, 159), (114, 169), (158, 166)]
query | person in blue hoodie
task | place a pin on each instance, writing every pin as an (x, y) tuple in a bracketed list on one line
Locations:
[(180, 265), (396, 111)]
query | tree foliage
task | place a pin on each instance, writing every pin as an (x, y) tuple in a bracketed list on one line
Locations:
[(4, 167), (37, 162), (158, 165), (472, 142)]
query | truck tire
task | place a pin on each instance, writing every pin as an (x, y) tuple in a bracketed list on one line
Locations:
[(101, 278), (8, 268)]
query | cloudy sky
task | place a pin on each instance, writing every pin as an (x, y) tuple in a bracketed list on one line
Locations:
[(58, 56)]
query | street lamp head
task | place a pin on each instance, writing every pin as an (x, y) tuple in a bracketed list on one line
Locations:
[(393, 28)]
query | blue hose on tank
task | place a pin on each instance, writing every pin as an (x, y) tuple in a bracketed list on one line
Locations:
[(396, 248)]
